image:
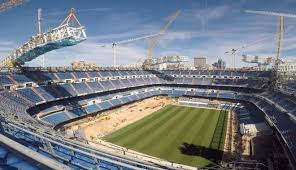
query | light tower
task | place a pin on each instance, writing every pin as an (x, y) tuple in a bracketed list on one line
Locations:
[(40, 32), (39, 21)]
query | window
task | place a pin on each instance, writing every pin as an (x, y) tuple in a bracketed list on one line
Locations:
[(29, 84), (7, 87)]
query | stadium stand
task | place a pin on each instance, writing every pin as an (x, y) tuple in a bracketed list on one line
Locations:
[(56, 97)]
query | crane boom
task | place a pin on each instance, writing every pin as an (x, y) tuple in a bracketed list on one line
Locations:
[(271, 13), (234, 50), (114, 44), (132, 39), (139, 38), (169, 23), (252, 43), (152, 42), (10, 4)]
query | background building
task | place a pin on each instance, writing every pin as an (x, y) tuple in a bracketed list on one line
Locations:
[(287, 70), (82, 64), (200, 62), (288, 66), (220, 64)]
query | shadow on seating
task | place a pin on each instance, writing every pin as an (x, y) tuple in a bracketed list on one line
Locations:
[(161, 75)]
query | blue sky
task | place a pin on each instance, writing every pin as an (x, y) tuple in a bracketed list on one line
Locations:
[(203, 29)]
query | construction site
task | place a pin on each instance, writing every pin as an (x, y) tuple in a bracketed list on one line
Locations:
[(130, 86)]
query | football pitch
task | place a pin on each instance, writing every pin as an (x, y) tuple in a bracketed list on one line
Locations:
[(185, 135)]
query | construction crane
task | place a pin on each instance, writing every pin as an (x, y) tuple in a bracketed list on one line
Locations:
[(152, 42), (280, 33), (115, 44), (10, 4), (62, 36), (233, 51)]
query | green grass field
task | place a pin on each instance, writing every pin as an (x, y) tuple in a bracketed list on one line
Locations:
[(186, 135)]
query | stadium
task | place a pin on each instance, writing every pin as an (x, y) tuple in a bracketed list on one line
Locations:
[(85, 117)]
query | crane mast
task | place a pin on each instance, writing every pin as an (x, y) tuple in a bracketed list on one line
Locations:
[(280, 39)]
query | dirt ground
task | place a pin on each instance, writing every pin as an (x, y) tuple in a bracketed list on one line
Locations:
[(233, 144), (112, 120)]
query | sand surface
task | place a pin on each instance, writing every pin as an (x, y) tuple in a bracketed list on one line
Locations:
[(107, 122)]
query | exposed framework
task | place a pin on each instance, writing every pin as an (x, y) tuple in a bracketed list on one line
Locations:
[(64, 35)]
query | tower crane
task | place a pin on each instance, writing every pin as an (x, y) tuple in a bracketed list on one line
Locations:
[(115, 44), (234, 50), (280, 33), (10, 4), (152, 41)]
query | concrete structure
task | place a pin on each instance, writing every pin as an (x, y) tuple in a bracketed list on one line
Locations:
[(200, 62), (82, 64), (287, 71), (288, 66), (165, 62)]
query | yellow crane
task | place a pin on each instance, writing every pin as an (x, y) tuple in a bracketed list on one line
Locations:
[(234, 51), (280, 30), (152, 42), (10, 4)]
